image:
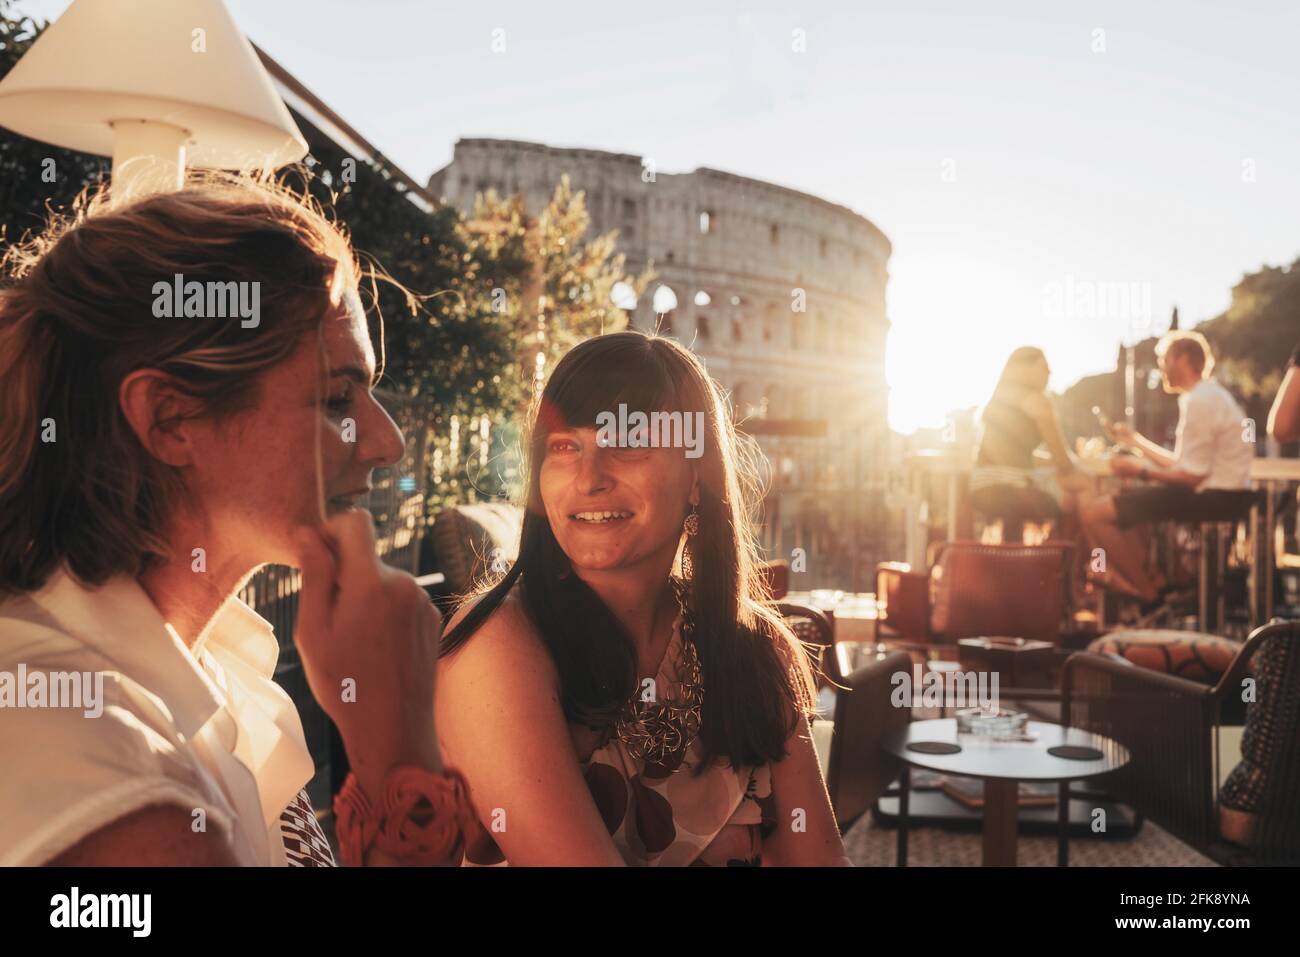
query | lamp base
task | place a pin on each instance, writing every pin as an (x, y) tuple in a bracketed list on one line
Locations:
[(148, 157)]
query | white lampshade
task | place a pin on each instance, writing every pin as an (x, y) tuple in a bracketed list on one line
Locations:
[(136, 79)]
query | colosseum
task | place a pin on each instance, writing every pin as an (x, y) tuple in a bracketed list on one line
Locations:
[(781, 293)]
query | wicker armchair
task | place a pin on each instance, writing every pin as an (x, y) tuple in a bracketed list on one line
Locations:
[(1170, 726), (814, 629)]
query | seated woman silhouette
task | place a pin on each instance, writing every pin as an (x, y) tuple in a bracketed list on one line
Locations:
[(1008, 481), (624, 694)]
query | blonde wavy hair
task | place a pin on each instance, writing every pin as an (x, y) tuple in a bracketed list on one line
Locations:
[(76, 318)]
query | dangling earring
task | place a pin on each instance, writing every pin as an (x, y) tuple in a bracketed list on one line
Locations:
[(692, 524), (692, 528)]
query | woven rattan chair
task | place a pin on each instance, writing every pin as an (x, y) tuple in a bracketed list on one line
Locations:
[(1170, 726)]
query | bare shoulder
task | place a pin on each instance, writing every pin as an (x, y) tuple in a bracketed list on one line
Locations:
[(154, 836), (1036, 404), (501, 678), (508, 635), (511, 610), (500, 721)]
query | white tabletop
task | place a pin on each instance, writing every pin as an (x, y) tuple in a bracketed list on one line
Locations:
[(982, 757)]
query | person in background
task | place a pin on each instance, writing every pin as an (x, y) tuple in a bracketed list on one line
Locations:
[(1013, 479), (148, 467), (1284, 417), (1284, 426), (1197, 481)]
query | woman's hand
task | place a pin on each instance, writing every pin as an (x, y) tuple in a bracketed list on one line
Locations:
[(368, 638)]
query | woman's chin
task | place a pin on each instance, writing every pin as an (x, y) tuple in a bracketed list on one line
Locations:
[(598, 561)]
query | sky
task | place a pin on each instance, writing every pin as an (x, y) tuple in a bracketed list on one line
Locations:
[(1053, 174)]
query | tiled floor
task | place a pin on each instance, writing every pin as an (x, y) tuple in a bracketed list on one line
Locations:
[(872, 846)]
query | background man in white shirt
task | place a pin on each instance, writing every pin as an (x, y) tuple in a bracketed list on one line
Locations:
[(1199, 481)]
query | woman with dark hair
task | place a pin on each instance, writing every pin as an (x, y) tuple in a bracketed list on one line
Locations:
[(626, 693), (154, 453), (1007, 481), (1284, 416)]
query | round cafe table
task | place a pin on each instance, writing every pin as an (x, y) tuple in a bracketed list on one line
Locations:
[(1002, 765)]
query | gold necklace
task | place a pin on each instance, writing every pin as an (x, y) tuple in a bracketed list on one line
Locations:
[(657, 730)]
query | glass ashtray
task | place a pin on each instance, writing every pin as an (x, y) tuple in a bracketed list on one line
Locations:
[(992, 724)]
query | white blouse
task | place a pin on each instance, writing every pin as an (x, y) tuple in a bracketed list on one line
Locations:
[(205, 729)]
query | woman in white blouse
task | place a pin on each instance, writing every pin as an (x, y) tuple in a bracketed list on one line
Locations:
[(154, 452)]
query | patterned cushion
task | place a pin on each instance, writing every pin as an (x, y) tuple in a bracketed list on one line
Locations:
[(465, 536), (1187, 654)]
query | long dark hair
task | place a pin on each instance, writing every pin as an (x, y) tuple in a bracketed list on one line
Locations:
[(750, 694)]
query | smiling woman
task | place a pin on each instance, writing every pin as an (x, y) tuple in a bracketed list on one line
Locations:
[(625, 693)]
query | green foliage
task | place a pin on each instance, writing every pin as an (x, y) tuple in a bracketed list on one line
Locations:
[(561, 289), (1257, 332), (577, 277), (32, 173)]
